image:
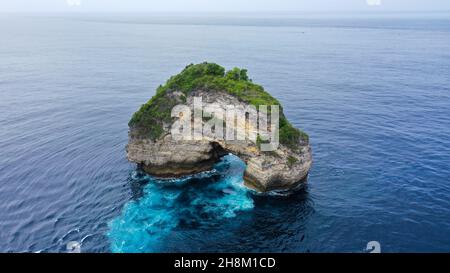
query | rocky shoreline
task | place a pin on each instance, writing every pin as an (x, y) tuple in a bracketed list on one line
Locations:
[(154, 148)]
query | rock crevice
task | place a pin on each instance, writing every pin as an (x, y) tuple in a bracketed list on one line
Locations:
[(152, 146)]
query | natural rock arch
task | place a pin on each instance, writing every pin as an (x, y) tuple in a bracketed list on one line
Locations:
[(152, 146)]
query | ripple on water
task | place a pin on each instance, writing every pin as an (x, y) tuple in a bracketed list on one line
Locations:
[(178, 205)]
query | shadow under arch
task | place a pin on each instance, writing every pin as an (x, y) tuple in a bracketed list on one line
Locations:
[(209, 212)]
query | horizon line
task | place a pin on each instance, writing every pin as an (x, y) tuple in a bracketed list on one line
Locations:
[(231, 12)]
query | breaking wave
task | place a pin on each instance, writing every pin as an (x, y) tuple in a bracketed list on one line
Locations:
[(167, 207)]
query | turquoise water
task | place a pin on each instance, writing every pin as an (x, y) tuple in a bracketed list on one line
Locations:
[(170, 207), (372, 92)]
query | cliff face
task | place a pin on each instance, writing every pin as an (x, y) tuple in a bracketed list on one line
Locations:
[(153, 146)]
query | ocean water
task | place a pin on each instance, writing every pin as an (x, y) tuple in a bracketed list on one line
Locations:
[(373, 92)]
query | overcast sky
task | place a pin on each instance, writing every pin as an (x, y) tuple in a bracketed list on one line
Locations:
[(220, 5)]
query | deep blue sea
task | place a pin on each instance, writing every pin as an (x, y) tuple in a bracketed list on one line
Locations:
[(373, 92)]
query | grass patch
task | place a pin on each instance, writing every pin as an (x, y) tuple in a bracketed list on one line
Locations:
[(149, 119)]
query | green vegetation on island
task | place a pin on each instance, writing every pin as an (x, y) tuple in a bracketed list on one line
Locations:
[(209, 76)]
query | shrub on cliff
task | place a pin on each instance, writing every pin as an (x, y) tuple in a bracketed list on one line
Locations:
[(148, 120)]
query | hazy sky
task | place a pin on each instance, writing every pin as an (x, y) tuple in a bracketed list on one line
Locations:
[(220, 5)]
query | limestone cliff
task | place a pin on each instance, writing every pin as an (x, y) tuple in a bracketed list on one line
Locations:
[(155, 149)]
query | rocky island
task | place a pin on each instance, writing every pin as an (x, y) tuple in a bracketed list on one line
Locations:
[(154, 148)]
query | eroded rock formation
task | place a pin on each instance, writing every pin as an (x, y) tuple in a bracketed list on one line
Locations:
[(155, 149)]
